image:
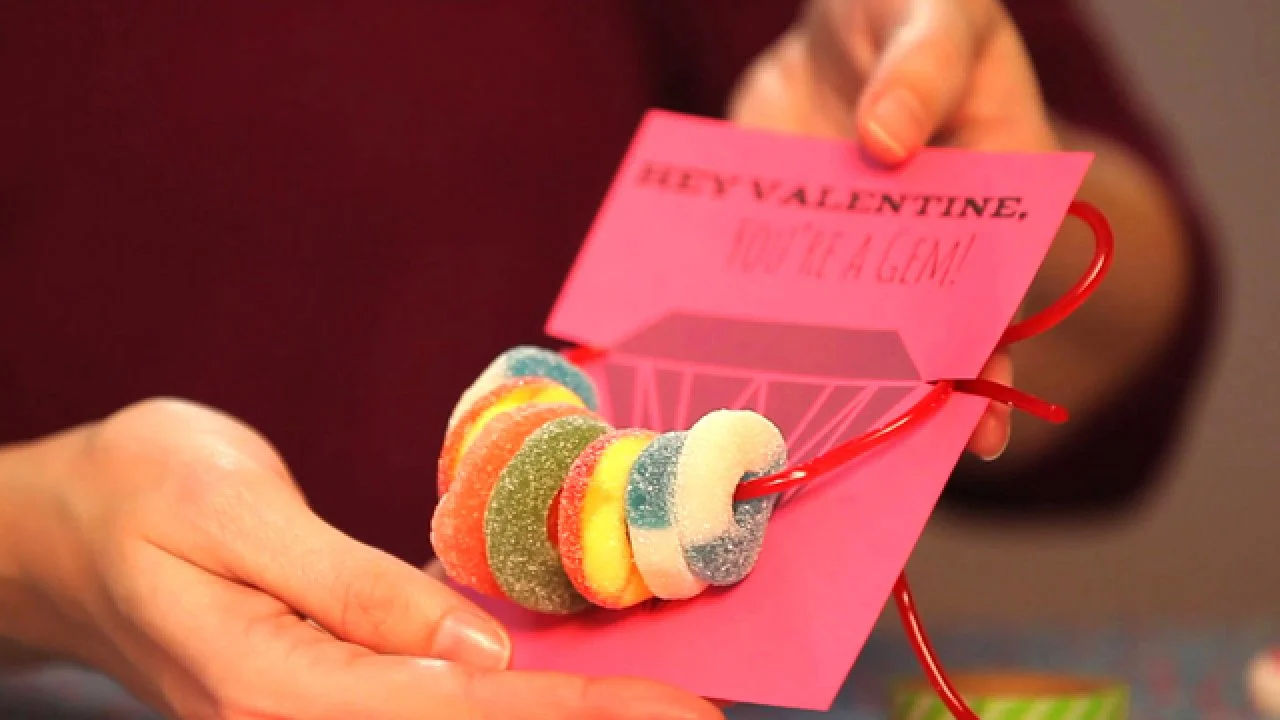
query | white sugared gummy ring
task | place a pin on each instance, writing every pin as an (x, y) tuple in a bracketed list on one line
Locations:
[(721, 538)]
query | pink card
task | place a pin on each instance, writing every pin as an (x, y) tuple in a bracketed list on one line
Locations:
[(738, 268)]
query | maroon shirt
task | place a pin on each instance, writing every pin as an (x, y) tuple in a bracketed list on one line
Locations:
[(326, 218)]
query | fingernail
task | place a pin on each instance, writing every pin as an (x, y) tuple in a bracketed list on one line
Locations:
[(897, 123), (993, 424), (470, 639), (996, 456)]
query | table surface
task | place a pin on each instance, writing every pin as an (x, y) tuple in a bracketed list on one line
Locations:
[(1175, 674)]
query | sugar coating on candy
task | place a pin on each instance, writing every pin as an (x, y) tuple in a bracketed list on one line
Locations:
[(521, 555), (457, 529), (655, 542), (722, 538), (458, 526), (528, 361), (595, 546), (504, 396), (534, 361)]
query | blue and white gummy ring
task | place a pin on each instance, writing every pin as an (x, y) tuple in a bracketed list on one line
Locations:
[(721, 539), (650, 502), (528, 361)]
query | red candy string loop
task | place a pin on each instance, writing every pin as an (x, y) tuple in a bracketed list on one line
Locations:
[(924, 652), (1104, 250), (1017, 399), (1104, 247), (926, 408), (581, 355), (921, 411)]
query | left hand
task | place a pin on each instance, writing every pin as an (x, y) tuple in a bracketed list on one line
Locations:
[(896, 75)]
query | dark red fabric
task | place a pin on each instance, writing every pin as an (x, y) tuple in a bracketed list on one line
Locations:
[(325, 218)]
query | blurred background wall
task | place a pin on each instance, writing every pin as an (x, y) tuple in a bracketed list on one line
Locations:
[(1207, 547)]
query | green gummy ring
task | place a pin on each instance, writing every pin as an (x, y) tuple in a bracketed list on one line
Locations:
[(522, 558)]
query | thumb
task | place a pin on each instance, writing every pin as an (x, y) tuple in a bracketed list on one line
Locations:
[(363, 595), (921, 76)]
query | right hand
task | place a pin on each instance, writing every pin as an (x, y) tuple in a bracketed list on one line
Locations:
[(168, 546), (897, 75)]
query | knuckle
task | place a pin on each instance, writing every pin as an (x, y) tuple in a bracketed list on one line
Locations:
[(179, 458), (176, 427), (150, 432), (149, 417)]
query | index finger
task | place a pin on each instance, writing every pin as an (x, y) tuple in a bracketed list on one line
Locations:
[(395, 688)]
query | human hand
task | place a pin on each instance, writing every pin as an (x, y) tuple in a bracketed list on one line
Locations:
[(896, 75), (168, 546)]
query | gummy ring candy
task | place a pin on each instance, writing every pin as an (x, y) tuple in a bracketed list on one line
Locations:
[(594, 545), (504, 396), (457, 528), (721, 539), (544, 504), (655, 542), (527, 361), (522, 557)]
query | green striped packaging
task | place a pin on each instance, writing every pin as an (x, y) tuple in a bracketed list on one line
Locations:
[(1095, 701)]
